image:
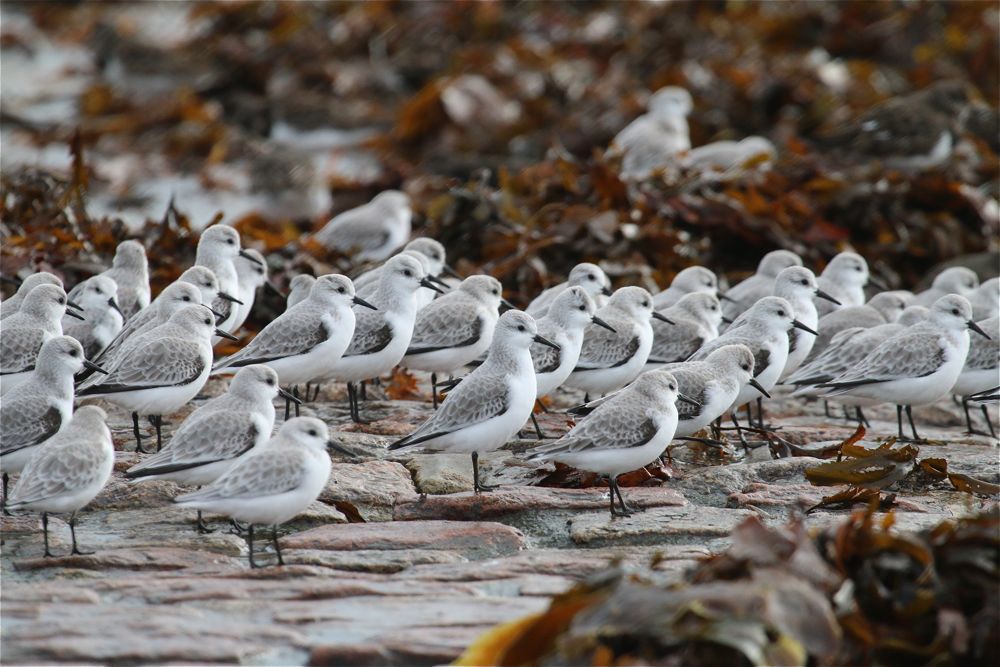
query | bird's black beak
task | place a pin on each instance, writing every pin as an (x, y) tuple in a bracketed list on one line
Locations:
[(606, 291), (726, 320), (546, 341), (90, 365), (507, 304), (436, 280), (245, 255), (876, 283), (975, 327), (799, 325), (334, 447), (114, 304), (662, 318), (723, 297), (448, 271), (73, 313), (823, 295), (601, 323), (756, 385), (689, 401), (268, 285), (426, 282), (358, 301), (228, 297), (289, 397), (226, 335), (74, 305)]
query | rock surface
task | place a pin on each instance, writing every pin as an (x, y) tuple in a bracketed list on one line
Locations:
[(399, 562)]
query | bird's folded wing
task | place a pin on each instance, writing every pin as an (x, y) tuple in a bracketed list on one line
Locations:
[(607, 349), (476, 399), (440, 328), (204, 438), (165, 362), (59, 467), (268, 472), (909, 355), (297, 332), (23, 426), (371, 333), (19, 349)]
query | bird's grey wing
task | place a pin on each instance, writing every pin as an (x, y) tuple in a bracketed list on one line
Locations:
[(691, 385), (476, 399), (59, 467), (983, 354), (19, 349), (545, 359), (296, 332), (613, 425), (761, 359), (910, 354), (675, 342), (224, 307), (371, 333), (441, 327), (216, 435), (267, 472), (607, 349), (356, 229), (26, 423), (166, 362)]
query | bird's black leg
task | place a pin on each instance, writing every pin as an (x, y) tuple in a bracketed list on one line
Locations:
[(158, 423), (476, 485), (45, 534), (717, 428), (986, 416), (6, 479), (237, 528), (862, 421), (611, 494), (826, 409), (352, 397), (909, 416), (201, 526), (363, 393), (277, 547), (295, 393), (250, 545), (316, 392), (586, 397), (760, 413), (968, 419), (288, 405), (847, 414), (135, 432), (538, 429), (434, 390), (626, 508), (72, 532), (541, 406), (739, 432), (899, 423), (613, 485)]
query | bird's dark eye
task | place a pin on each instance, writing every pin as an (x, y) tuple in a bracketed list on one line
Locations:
[(341, 290), (270, 382), (230, 242), (496, 292), (805, 282), (74, 353), (583, 308), (954, 311), (673, 388), (208, 321), (645, 304), (62, 301), (591, 277), (98, 290), (745, 367), (520, 327), (186, 298), (313, 432), (781, 313), (407, 273)]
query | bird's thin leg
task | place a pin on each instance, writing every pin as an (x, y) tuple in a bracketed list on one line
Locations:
[(628, 509), (862, 421), (541, 406), (72, 532), (968, 418), (45, 534), (717, 428), (739, 432), (899, 423), (158, 423), (6, 479), (295, 393), (237, 528), (909, 416), (277, 547), (847, 414), (250, 545), (586, 397), (986, 416), (201, 526), (476, 485), (760, 413), (538, 429), (611, 494), (434, 390), (288, 406), (826, 409), (363, 393), (135, 432), (613, 484)]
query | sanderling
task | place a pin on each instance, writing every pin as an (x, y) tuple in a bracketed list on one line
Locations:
[(611, 359), (728, 158), (588, 276), (38, 319), (917, 366), (272, 484), (956, 280), (844, 278), (218, 248), (103, 317), (692, 280), (423, 296), (654, 139), (41, 405), (162, 371), (372, 231), (985, 300), (626, 432), (11, 305), (67, 472), (492, 402), (765, 332), (432, 256), (305, 342), (381, 336), (883, 308), (981, 370), (214, 436), (745, 294), (251, 272), (696, 319), (799, 287), (298, 289), (457, 328), (130, 271)]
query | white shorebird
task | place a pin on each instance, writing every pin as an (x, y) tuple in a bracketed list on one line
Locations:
[(251, 273), (844, 279), (981, 370), (11, 305), (432, 256), (745, 294), (696, 318), (67, 471), (728, 158), (372, 231), (588, 276), (956, 280), (455, 329), (423, 296), (214, 436), (161, 371), (985, 300), (382, 336), (298, 289), (38, 319), (272, 484), (492, 402), (655, 139), (130, 271), (218, 248), (883, 308), (626, 432), (611, 359), (692, 280), (102, 317), (36, 409), (915, 367), (305, 342)]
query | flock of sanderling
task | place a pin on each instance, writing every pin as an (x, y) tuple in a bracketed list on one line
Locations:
[(660, 367)]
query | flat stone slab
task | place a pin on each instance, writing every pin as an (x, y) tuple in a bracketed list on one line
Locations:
[(372, 487), (662, 525)]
